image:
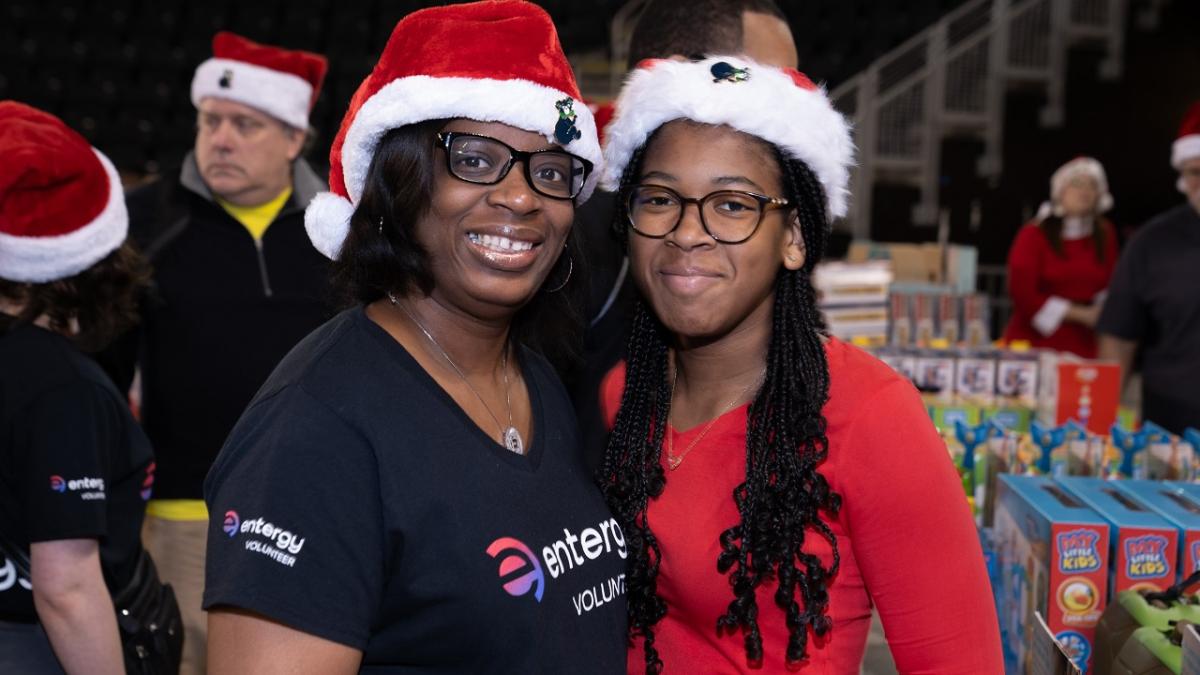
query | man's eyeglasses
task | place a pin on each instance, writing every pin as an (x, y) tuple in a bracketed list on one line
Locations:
[(729, 216), (486, 161)]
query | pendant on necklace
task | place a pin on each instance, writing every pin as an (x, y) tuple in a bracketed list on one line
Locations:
[(512, 441), (674, 462)]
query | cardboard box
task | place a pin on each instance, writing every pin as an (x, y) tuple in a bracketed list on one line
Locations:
[(1144, 545), (1178, 508), (1074, 389), (1053, 552)]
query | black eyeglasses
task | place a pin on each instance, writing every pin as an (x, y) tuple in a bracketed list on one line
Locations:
[(729, 216), (486, 161)]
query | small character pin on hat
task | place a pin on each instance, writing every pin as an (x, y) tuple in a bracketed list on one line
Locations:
[(564, 130), (723, 71), (226, 80)]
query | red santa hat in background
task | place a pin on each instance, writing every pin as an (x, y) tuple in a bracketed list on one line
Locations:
[(1187, 143), (780, 106), (486, 61), (62, 209), (280, 82)]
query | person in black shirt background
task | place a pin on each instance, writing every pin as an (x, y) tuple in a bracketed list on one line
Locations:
[(405, 493), (75, 468), (1153, 305)]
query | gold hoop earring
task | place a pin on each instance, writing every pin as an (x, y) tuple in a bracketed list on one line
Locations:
[(570, 269)]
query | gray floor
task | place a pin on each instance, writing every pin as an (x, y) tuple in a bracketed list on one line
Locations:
[(878, 660)]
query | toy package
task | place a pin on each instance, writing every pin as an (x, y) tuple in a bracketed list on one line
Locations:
[(1053, 552), (1144, 545), (1149, 616), (975, 319), (1177, 507), (949, 320), (975, 377), (935, 373), (1131, 446), (1052, 451), (1168, 457)]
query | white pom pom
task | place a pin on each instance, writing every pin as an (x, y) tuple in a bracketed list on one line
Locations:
[(327, 220)]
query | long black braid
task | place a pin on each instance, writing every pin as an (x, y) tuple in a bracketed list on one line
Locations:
[(783, 495)]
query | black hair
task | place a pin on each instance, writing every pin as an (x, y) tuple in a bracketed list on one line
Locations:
[(783, 496), (92, 307), (396, 194), (1052, 227), (690, 28)]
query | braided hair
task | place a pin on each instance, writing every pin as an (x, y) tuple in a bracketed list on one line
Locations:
[(783, 495)]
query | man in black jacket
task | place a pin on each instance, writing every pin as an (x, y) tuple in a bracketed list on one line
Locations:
[(237, 284)]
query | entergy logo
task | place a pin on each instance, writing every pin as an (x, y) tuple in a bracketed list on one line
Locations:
[(520, 570), (232, 523), (1145, 557), (1077, 551), (58, 484)]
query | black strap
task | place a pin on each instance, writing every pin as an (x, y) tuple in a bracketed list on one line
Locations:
[(1174, 593)]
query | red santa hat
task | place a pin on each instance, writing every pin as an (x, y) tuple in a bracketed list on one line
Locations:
[(280, 82), (1187, 144), (487, 61), (62, 209), (780, 106)]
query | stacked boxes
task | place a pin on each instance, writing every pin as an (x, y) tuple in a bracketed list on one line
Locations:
[(1053, 553), (1173, 503), (1144, 544)]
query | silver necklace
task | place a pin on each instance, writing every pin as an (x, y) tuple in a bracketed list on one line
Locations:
[(510, 437)]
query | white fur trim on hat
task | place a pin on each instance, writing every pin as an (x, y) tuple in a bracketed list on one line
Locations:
[(768, 104), (43, 259), (283, 96), (1183, 149), (519, 103), (327, 221), (1081, 166)]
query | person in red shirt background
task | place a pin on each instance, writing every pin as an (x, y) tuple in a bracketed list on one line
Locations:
[(773, 483), (1060, 263)]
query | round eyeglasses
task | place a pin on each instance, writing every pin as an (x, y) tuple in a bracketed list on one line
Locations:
[(729, 216), (486, 161)]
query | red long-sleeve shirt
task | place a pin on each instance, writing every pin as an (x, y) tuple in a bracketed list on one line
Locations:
[(1038, 276), (905, 535)]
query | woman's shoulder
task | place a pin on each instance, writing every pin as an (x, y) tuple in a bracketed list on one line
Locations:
[(1031, 233), (611, 389), (340, 350), (37, 362), (860, 385)]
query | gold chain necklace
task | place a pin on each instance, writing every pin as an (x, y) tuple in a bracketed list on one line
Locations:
[(510, 437), (673, 460)]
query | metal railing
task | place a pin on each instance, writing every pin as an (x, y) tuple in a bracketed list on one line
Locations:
[(951, 79)]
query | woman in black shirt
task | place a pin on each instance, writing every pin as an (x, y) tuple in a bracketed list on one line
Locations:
[(75, 469), (405, 493)]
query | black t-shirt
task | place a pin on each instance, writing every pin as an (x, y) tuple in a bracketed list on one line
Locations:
[(1154, 298), (357, 502), (73, 462)]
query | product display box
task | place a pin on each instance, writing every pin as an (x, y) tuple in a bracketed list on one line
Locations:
[(1072, 389), (1177, 507), (1144, 546), (1053, 552)]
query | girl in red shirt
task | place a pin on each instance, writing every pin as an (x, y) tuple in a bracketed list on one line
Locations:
[(1060, 263), (773, 483)]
